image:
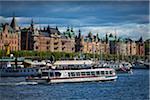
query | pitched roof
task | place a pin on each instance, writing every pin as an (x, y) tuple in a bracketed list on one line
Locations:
[(13, 23)]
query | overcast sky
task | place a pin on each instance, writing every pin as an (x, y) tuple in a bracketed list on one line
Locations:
[(129, 19)]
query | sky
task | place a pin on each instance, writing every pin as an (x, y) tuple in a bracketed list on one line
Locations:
[(123, 18)]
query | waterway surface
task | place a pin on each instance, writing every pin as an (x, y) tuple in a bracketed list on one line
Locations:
[(127, 87)]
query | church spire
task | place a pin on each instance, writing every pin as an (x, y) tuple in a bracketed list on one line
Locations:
[(79, 36), (32, 23), (14, 23)]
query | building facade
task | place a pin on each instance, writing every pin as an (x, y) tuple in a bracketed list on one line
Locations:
[(140, 47), (48, 39), (10, 38), (89, 44)]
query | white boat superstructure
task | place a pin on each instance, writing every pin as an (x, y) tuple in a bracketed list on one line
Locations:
[(82, 75), (73, 64), (10, 70)]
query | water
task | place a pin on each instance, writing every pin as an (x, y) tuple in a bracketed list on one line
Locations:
[(127, 87)]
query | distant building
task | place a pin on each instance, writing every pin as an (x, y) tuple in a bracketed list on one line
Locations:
[(121, 47), (79, 40), (10, 36), (48, 39), (89, 44), (140, 47), (112, 44), (27, 37), (147, 47)]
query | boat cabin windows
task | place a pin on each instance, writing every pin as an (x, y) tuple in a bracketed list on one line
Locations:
[(102, 72), (72, 73), (78, 73), (97, 72), (106, 72), (51, 74), (57, 74), (88, 73), (111, 72), (44, 73), (83, 73), (92, 73)]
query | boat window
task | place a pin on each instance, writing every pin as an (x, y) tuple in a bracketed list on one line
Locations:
[(17, 71), (78, 73), (28, 70), (88, 73), (110, 72), (57, 74), (106, 72), (83, 73), (72, 74), (102, 72), (92, 73), (37, 69), (24, 70), (51, 74), (97, 73), (44, 73), (69, 74)]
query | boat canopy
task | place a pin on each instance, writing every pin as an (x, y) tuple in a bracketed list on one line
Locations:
[(74, 62)]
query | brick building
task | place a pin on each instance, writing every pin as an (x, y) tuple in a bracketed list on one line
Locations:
[(48, 39), (10, 36)]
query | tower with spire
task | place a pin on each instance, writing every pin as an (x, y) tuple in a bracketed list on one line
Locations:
[(13, 24)]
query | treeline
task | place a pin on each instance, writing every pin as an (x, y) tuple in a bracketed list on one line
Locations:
[(64, 55)]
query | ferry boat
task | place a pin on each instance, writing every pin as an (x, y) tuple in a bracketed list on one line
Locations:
[(10, 70), (70, 76), (16, 67)]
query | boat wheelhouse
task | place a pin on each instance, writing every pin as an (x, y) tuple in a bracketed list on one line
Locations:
[(82, 75)]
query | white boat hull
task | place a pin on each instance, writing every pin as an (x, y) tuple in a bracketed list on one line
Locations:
[(70, 76), (72, 80), (88, 79)]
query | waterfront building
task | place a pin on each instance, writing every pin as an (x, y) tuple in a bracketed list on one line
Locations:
[(133, 48), (68, 41), (140, 47), (147, 47), (91, 44), (112, 40), (121, 47), (27, 38), (10, 36), (48, 39), (79, 40)]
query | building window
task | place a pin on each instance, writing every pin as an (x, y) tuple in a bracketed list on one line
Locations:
[(47, 42), (36, 47), (47, 48)]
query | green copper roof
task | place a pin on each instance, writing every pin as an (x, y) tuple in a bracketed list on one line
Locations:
[(69, 33)]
